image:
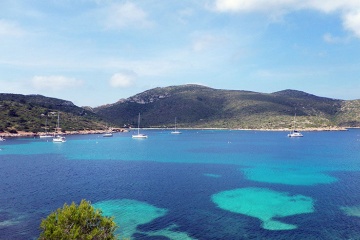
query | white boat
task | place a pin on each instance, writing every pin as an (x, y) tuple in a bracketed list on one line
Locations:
[(108, 134), (295, 133), (58, 138), (2, 139), (175, 131), (46, 135), (139, 135)]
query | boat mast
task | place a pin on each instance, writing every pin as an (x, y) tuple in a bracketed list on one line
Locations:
[(46, 122), (58, 123), (138, 123), (175, 124)]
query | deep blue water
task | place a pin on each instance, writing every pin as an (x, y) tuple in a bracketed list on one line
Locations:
[(181, 174)]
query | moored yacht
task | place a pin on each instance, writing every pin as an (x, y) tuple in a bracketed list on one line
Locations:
[(139, 135), (58, 138), (295, 133), (175, 131)]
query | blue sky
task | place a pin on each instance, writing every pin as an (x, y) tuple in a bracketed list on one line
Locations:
[(95, 52)]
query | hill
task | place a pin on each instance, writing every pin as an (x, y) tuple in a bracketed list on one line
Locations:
[(29, 112), (194, 106), (200, 106)]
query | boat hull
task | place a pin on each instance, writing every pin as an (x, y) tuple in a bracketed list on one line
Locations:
[(139, 136), (295, 135), (59, 139), (46, 136)]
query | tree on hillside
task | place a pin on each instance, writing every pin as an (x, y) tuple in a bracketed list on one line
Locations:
[(78, 222)]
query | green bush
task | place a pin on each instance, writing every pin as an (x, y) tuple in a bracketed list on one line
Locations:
[(77, 222)]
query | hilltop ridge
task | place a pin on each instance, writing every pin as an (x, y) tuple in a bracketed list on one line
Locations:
[(195, 106), (201, 106)]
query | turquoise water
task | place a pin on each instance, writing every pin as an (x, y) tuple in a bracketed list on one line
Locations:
[(202, 184)]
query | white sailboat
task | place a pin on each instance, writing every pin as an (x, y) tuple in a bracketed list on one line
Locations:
[(59, 138), (175, 131), (139, 135), (108, 133), (46, 135), (294, 132)]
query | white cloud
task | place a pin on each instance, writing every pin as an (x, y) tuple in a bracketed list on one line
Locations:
[(122, 80), (352, 22), (348, 9), (55, 83), (10, 29), (126, 15)]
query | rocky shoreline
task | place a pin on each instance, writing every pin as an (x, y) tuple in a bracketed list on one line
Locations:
[(85, 132), (82, 132)]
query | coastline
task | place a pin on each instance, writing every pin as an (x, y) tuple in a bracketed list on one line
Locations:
[(262, 129), (82, 132), (85, 132)]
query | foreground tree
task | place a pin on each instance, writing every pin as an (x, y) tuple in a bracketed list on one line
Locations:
[(77, 222)]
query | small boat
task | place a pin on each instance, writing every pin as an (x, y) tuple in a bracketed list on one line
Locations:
[(108, 134), (2, 139), (139, 135), (58, 138), (175, 131), (46, 135), (295, 133)]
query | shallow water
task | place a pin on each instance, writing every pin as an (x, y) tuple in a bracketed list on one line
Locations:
[(197, 185)]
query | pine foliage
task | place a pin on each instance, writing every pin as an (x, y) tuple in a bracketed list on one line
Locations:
[(78, 222)]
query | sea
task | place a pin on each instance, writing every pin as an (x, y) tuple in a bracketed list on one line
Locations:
[(201, 184)]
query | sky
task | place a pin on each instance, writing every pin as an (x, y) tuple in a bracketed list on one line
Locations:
[(95, 52)]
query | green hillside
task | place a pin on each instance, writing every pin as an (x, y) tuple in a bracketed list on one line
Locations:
[(199, 106), (349, 114), (29, 112), (194, 106)]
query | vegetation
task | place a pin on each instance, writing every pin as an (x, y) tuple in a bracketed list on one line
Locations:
[(349, 114), (77, 222), (30, 113), (201, 107), (194, 106)]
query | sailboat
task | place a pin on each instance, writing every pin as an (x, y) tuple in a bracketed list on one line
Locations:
[(175, 131), (108, 133), (58, 138), (294, 132), (139, 135), (46, 135)]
